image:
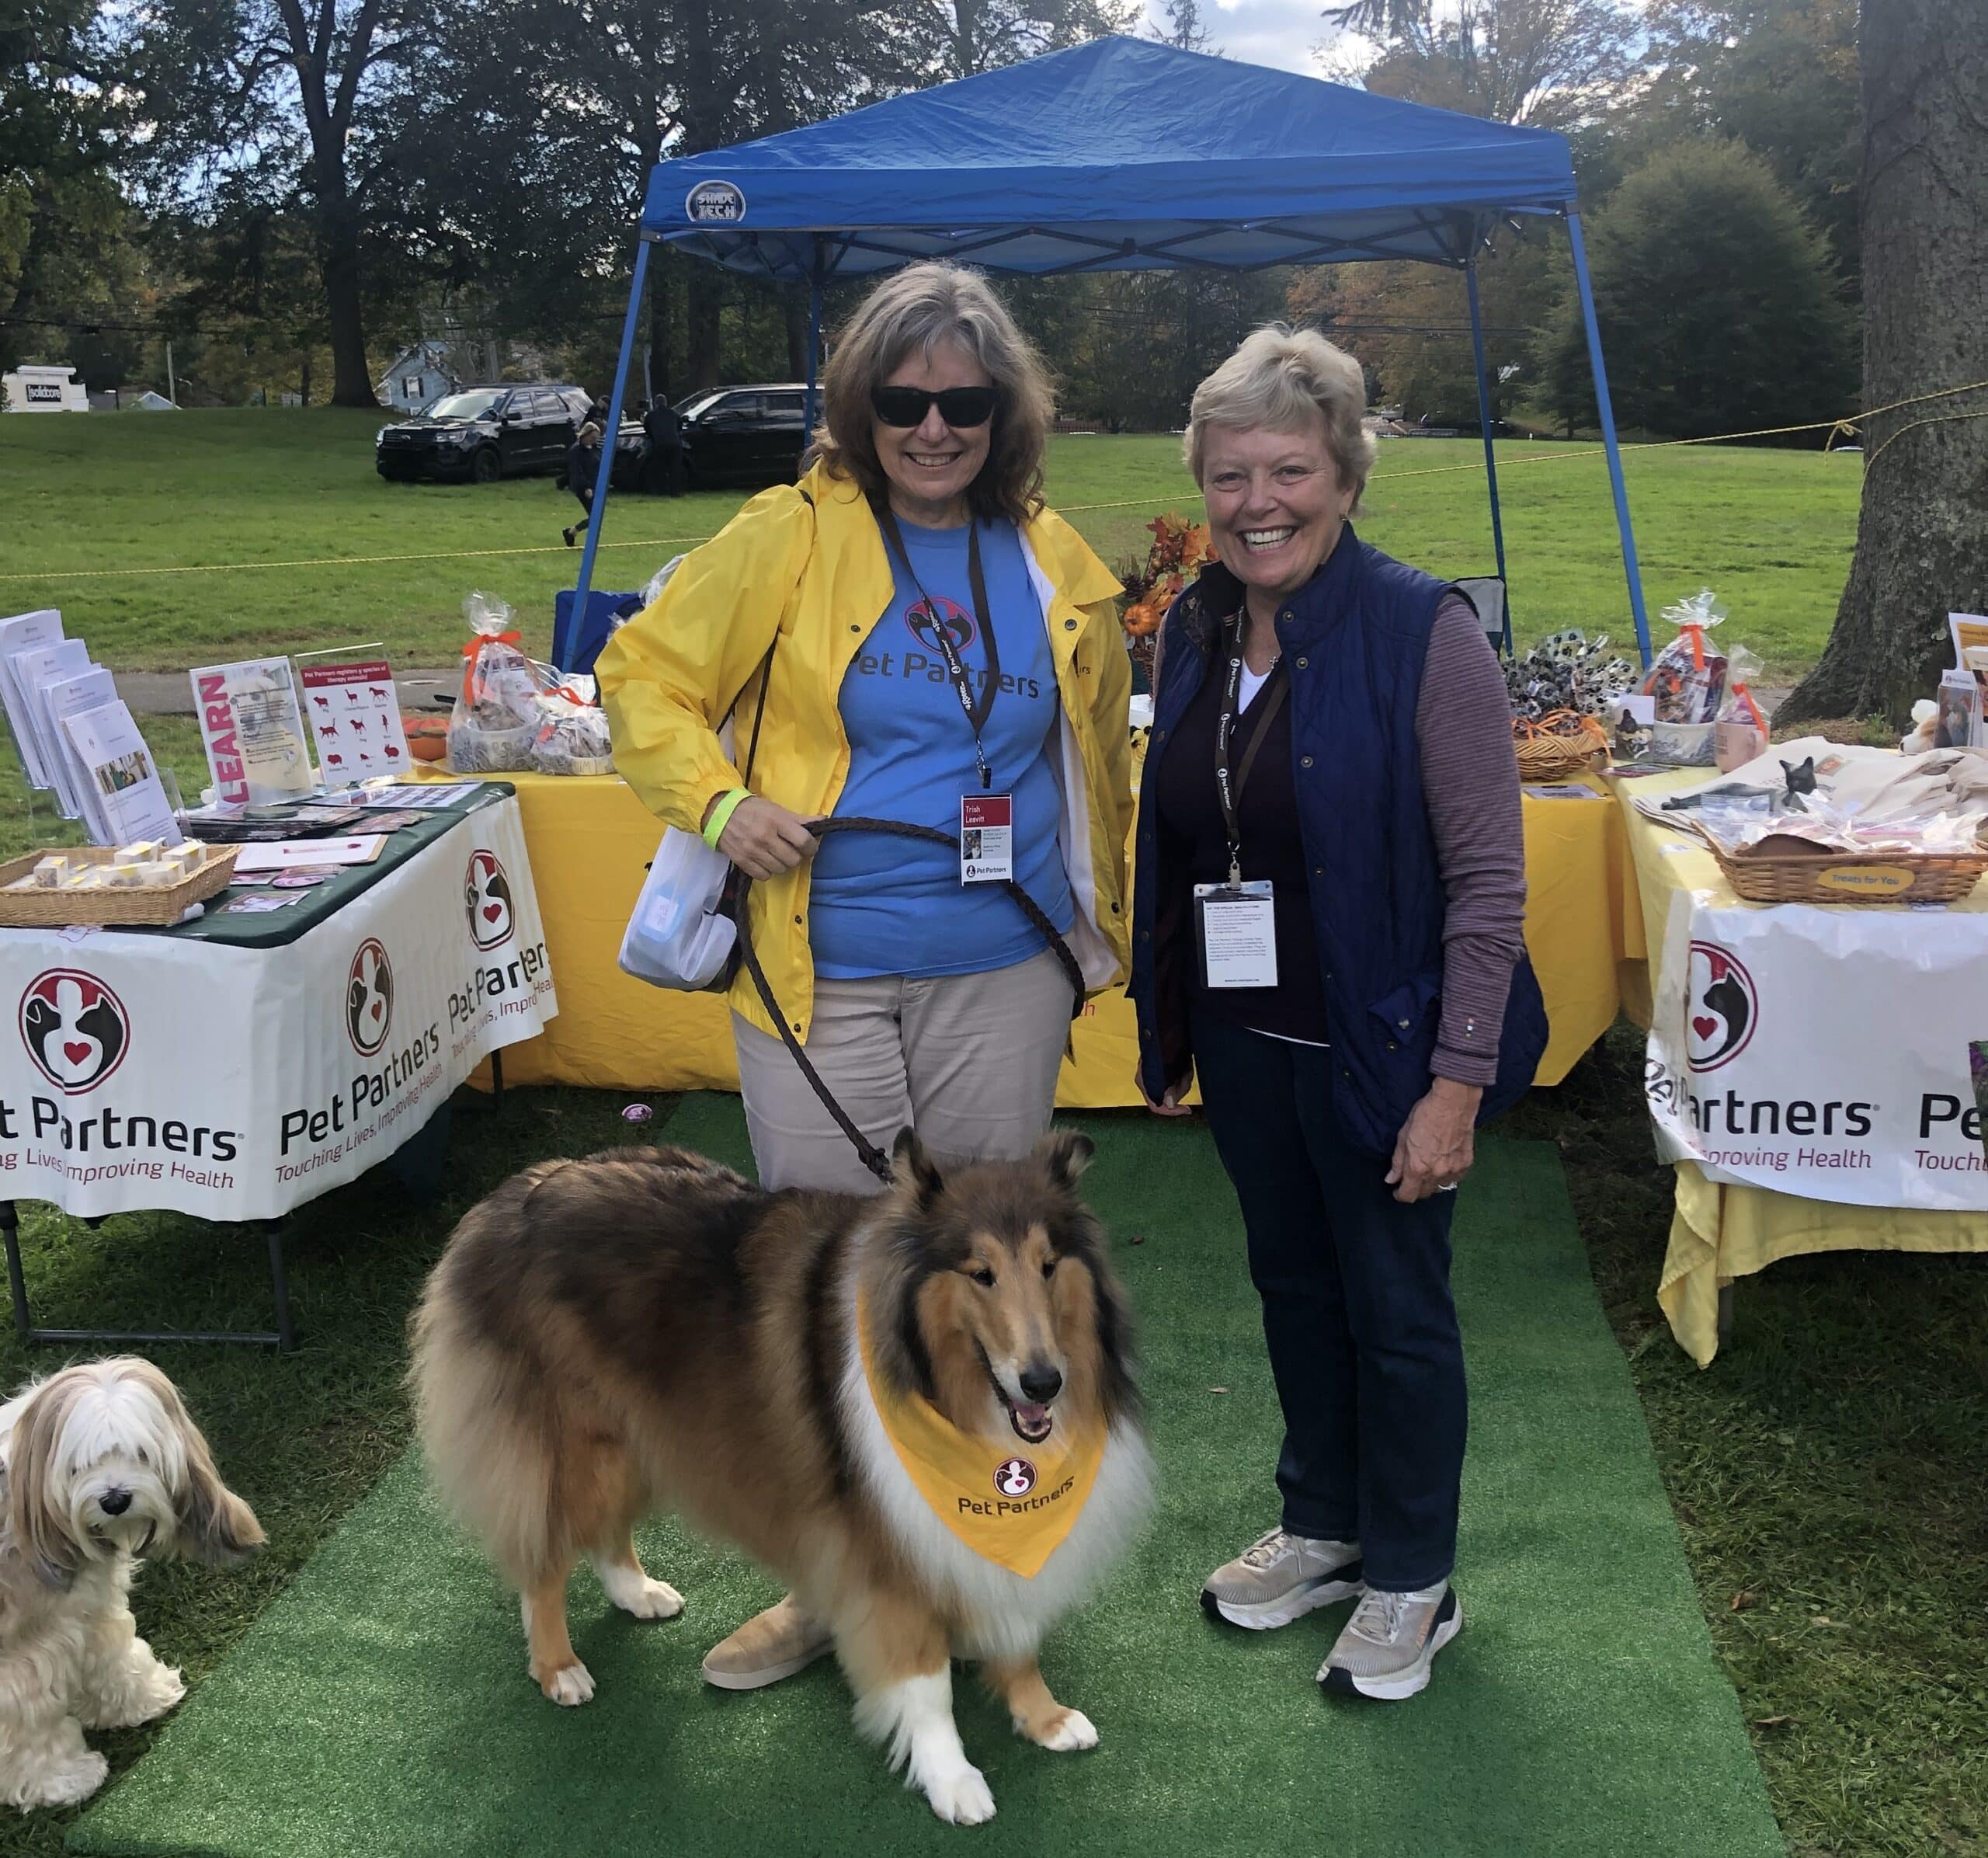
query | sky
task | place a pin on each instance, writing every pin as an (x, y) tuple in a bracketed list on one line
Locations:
[(1279, 32)]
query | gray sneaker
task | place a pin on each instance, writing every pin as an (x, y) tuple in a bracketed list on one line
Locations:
[(1386, 1648), (1280, 1578)]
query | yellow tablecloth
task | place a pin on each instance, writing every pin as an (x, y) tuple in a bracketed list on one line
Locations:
[(1719, 1233), (591, 840)]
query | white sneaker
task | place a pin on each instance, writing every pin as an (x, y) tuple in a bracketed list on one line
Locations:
[(1387, 1647), (1280, 1578)]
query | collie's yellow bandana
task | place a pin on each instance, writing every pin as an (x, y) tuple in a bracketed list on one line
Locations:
[(1011, 1506)]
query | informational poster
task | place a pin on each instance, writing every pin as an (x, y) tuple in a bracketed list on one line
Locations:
[(253, 731), (354, 712)]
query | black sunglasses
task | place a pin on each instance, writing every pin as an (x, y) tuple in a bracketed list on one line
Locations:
[(960, 407)]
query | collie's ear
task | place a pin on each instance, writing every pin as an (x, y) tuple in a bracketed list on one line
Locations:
[(40, 1526), (1066, 1153), (912, 1167)]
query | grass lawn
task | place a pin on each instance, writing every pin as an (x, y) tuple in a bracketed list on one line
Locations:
[(83, 504)]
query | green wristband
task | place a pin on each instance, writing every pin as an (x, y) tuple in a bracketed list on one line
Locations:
[(722, 815)]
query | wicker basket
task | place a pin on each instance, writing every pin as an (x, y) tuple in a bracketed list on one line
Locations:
[(152, 908), (1557, 757), (1864, 878)]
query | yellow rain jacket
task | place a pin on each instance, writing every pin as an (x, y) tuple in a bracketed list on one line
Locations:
[(820, 576)]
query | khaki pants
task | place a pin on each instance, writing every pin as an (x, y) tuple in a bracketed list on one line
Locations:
[(968, 1060)]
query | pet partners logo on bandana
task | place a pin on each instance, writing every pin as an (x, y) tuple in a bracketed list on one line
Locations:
[(1012, 1510)]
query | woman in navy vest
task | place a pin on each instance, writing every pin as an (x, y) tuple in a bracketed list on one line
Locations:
[(1327, 914)]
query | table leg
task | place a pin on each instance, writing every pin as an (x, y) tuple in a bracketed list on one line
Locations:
[(1725, 1314), (282, 1338)]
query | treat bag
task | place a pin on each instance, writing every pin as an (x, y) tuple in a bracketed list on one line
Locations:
[(493, 722), (1688, 678), (1740, 732)]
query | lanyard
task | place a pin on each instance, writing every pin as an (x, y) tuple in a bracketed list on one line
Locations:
[(976, 714), (1228, 787)]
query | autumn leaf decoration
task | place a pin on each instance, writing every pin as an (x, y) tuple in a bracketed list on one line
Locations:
[(1180, 549)]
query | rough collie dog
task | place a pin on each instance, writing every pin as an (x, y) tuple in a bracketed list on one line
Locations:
[(102, 1467), (644, 1328)]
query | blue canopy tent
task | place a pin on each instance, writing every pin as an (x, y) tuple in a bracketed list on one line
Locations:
[(1118, 155)]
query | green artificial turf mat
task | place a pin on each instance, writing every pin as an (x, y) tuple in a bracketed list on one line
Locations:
[(381, 1706)]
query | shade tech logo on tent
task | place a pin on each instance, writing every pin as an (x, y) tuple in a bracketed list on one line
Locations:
[(369, 998), (1724, 1008), (717, 202), (1014, 1478), (76, 1029), (487, 897)]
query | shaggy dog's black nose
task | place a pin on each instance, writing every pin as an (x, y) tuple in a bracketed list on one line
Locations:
[(114, 1503), (1040, 1382)]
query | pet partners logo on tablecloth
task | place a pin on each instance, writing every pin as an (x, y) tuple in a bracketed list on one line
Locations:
[(1816, 1052), (235, 1082), (487, 898)]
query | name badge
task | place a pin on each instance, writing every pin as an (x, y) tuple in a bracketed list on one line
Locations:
[(1236, 926), (987, 838)]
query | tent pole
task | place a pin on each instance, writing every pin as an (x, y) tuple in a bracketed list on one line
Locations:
[(1630, 565), (563, 648), (1490, 458), (814, 280)]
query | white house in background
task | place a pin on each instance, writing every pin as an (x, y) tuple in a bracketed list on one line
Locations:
[(419, 374), (34, 389)]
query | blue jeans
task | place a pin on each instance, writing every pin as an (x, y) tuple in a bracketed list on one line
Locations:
[(1358, 1314)]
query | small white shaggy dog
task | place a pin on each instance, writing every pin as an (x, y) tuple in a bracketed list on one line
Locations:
[(101, 1466)]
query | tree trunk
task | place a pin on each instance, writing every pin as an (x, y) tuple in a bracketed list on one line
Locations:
[(794, 312), (1922, 531), (659, 296), (352, 384), (706, 300)]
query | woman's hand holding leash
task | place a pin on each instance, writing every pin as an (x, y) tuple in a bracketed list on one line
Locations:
[(1438, 1143), (764, 839)]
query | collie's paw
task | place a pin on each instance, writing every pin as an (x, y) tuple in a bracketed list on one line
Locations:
[(960, 1795), (65, 1783), (1069, 1729), (571, 1685), (637, 1595)]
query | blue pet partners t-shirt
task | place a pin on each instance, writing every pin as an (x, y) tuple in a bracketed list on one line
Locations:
[(883, 905)]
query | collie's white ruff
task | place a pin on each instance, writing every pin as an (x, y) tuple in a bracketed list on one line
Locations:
[(1007, 1614)]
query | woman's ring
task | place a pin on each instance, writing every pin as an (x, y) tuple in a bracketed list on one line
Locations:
[(1448, 1187)]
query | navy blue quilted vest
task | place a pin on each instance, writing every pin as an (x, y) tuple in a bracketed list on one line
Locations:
[(1354, 638)]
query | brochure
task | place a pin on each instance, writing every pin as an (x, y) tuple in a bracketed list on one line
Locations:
[(354, 710), (253, 730), (62, 698), (35, 670), (289, 853), (116, 761), (23, 632)]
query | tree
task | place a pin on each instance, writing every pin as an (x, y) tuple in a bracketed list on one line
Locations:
[(1718, 308), (65, 237), (1184, 29), (961, 38), (1548, 62), (298, 105), (1922, 542), (1779, 75)]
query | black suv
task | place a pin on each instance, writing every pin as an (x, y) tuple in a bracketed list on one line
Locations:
[(483, 434), (744, 435)]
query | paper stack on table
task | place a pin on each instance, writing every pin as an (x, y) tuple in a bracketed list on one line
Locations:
[(76, 740)]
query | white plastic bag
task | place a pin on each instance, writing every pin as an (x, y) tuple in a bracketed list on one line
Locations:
[(676, 938)]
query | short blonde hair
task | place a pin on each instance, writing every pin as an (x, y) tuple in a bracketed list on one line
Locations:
[(1277, 378), (916, 310)]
